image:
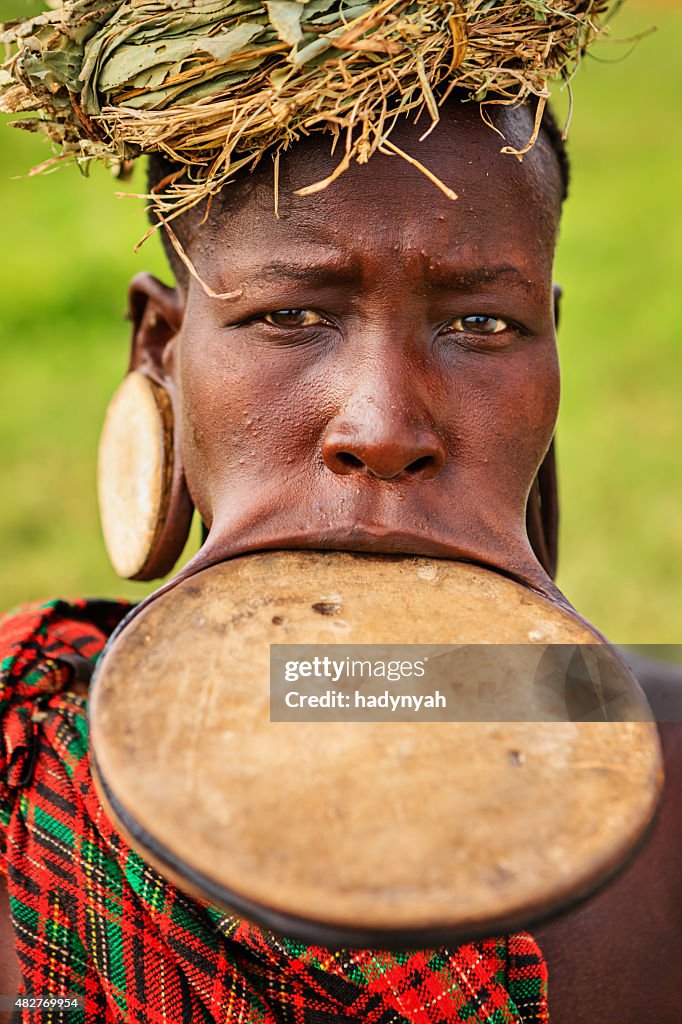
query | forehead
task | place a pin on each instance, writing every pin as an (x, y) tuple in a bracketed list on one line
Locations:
[(507, 209)]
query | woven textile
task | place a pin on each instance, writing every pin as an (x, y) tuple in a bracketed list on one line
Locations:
[(93, 920)]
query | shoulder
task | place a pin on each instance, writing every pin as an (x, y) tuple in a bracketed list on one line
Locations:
[(47, 652), (44, 629), (46, 645), (662, 684), (616, 958)]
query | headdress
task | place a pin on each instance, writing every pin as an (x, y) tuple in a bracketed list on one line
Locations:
[(213, 84)]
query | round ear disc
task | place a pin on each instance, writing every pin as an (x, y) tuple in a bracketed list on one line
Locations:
[(144, 506)]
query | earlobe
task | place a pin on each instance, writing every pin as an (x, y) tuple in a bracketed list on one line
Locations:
[(558, 294), (145, 507), (156, 313)]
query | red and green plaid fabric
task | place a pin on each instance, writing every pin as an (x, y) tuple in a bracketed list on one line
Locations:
[(93, 920)]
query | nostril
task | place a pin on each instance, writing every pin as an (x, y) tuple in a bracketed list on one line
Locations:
[(420, 465), (347, 459), (386, 457)]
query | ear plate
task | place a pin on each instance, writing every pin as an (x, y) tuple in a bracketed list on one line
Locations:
[(145, 509)]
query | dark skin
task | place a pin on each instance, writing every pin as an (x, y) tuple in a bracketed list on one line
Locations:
[(387, 380), (411, 406), (617, 959)]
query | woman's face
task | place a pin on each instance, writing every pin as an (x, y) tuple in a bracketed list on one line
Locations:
[(386, 379)]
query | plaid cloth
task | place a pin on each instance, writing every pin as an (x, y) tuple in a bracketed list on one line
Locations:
[(93, 920)]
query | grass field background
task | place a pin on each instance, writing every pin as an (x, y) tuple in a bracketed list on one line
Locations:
[(67, 255)]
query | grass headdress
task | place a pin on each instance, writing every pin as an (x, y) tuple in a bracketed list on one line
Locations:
[(213, 84)]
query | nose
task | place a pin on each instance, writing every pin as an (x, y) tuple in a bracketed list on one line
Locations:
[(384, 443)]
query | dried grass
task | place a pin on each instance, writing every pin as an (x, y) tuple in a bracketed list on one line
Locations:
[(215, 85)]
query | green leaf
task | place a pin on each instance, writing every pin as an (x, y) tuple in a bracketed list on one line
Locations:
[(130, 60), (315, 7), (227, 43), (312, 50), (350, 13), (285, 18)]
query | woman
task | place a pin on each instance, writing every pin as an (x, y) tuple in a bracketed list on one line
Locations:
[(384, 378)]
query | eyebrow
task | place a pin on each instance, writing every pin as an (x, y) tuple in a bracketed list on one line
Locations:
[(325, 271), (341, 270), (470, 278)]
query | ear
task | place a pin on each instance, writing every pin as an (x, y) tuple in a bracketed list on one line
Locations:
[(558, 294), (145, 506), (156, 312)]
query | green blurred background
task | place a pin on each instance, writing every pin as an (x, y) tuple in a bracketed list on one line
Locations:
[(68, 254)]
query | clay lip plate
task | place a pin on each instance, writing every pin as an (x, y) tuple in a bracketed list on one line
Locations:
[(358, 833)]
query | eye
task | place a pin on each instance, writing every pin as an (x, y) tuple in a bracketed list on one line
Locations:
[(478, 324), (293, 318)]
